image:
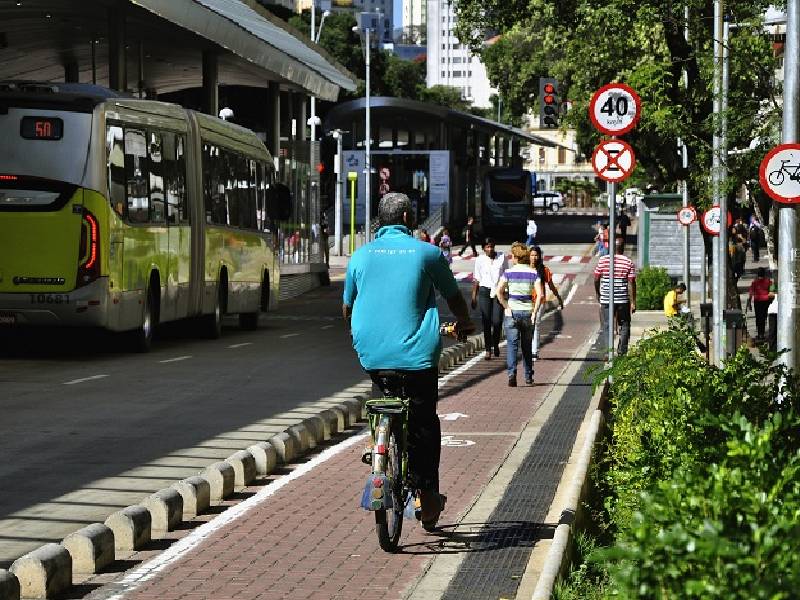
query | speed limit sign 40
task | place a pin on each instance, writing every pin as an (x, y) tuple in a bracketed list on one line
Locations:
[(615, 109)]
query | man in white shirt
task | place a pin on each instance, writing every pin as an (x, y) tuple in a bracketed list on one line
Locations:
[(489, 268)]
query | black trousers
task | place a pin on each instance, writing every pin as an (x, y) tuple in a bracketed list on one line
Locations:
[(492, 318), (469, 245), (424, 429), (761, 307), (622, 313)]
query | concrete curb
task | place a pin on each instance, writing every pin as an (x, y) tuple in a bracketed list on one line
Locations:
[(196, 494), (91, 548), (131, 527), (48, 570), (9, 586), (45, 572), (571, 490), (166, 511)]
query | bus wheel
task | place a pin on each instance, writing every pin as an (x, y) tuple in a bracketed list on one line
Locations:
[(143, 336), (213, 322)]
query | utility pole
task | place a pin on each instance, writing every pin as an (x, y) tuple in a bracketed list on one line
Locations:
[(787, 217), (337, 210), (720, 250), (687, 269), (367, 157)]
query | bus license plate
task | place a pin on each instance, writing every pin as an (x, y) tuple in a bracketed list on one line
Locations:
[(7, 318)]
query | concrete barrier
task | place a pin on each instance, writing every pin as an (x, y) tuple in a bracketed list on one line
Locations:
[(196, 494), (342, 420), (285, 446), (301, 437), (265, 456), (166, 511), (9, 586), (91, 548), (355, 407), (43, 573), (131, 527), (221, 478), (316, 428), (244, 468), (330, 423)]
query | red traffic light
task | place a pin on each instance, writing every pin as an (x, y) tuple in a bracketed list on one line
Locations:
[(549, 88), (320, 168), (549, 99)]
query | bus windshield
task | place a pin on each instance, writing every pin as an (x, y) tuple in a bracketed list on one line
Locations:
[(508, 187), (42, 143)]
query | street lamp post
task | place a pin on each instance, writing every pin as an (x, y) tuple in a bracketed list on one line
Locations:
[(719, 281), (337, 227), (367, 157)]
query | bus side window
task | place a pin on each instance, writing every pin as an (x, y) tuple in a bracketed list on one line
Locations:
[(157, 212), (174, 178), (262, 175), (233, 173), (249, 209), (137, 175), (116, 168)]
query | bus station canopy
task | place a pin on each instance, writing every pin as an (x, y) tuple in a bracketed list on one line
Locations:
[(164, 41)]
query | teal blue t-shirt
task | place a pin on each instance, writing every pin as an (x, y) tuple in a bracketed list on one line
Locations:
[(390, 285)]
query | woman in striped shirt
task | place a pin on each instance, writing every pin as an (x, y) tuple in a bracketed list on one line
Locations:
[(515, 292)]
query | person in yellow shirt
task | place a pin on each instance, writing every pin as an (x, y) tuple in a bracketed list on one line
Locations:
[(672, 300)]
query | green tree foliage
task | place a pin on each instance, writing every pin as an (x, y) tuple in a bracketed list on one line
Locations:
[(588, 43), (389, 76), (444, 95)]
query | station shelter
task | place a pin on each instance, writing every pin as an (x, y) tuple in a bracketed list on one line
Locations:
[(436, 155), (203, 54)]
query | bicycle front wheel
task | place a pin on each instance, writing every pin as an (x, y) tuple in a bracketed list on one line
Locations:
[(775, 178), (389, 522)]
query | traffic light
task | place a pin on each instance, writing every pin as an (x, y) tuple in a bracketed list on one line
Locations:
[(549, 102)]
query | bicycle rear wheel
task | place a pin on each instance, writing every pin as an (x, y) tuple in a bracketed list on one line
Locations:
[(389, 522)]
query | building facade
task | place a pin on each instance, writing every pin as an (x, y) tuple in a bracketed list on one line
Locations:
[(452, 63)]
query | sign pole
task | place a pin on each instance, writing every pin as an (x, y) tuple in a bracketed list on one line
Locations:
[(612, 248), (337, 231), (720, 258), (367, 153), (787, 215), (352, 177)]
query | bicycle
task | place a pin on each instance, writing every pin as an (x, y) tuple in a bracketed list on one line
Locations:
[(777, 176), (388, 492)]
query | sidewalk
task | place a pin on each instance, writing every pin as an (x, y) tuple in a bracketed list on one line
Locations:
[(301, 534)]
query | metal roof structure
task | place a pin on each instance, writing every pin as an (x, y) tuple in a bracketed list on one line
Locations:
[(165, 40), (341, 113)]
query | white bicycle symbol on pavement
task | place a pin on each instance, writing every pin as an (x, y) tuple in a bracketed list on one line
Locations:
[(451, 442)]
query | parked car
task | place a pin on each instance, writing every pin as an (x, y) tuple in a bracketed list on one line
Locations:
[(552, 201)]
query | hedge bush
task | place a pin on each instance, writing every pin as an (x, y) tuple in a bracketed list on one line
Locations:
[(652, 284), (701, 477)]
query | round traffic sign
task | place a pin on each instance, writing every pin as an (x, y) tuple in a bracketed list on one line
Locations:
[(613, 160), (615, 109), (779, 173), (687, 215), (711, 220)]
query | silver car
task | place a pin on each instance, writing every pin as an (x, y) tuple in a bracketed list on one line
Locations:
[(552, 201)]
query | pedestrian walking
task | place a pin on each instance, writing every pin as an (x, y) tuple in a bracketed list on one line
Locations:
[(624, 223), (531, 229), (546, 277), (623, 296), (323, 237), (760, 296), (424, 236), (446, 245), (756, 239), (514, 292), (469, 237), (489, 268), (738, 254)]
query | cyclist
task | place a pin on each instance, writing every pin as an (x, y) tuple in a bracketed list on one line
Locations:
[(390, 302)]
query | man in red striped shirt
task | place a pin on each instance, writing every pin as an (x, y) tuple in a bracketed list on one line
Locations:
[(624, 293)]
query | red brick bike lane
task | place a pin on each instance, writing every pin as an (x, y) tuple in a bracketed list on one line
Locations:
[(310, 538)]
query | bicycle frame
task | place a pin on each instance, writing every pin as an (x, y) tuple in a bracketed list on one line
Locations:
[(382, 413)]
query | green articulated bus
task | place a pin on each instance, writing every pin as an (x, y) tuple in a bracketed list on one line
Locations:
[(122, 213)]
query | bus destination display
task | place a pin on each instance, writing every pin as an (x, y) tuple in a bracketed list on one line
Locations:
[(41, 128)]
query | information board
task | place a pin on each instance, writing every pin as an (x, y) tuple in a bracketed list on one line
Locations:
[(665, 243)]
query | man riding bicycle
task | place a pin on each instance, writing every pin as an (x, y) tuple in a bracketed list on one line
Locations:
[(390, 302)]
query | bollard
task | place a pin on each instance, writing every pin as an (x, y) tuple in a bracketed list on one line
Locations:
[(244, 468), (45, 572), (131, 527), (221, 477), (166, 511), (196, 494), (265, 456), (91, 548)]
